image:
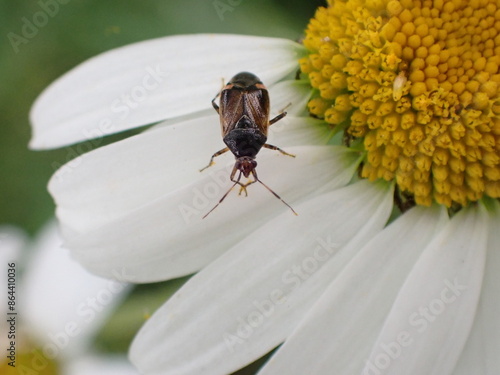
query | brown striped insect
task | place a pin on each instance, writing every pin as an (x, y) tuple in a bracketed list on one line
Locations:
[(244, 118)]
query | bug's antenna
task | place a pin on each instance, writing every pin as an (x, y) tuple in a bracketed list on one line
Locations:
[(277, 196), (237, 182), (223, 197)]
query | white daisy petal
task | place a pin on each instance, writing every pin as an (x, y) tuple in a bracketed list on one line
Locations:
[(111, 181), (167, 236), (107, 183), (342, 326), (480, 355), (296, 131), (102, 365), (62, 303), (150, 81), (434, 311), (291, 96), (253, 295)]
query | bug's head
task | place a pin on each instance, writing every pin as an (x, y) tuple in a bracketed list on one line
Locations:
[(245, 165)]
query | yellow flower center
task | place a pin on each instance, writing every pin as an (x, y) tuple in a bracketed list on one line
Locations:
[(34, 362), (418, 82)]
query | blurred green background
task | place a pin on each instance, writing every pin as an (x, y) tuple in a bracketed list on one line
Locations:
[(77, 30)]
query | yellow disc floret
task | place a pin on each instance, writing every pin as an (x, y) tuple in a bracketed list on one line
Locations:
[(419, 82)]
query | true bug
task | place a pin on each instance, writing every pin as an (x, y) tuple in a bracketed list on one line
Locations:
[(244, 119)]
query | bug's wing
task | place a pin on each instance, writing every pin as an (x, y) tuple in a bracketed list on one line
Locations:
[(257, 105), (231, 109)]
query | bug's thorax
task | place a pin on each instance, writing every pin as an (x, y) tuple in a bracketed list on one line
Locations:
[(244, 142)]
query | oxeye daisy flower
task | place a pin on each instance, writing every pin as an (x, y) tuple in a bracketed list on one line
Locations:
[(405, 121)]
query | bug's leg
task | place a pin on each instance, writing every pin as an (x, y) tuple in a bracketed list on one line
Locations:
[(243, 187), (277, 118), (271, 147), (280, 116), (220, 152), (216, 107), (233, 172), (237, 181)]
